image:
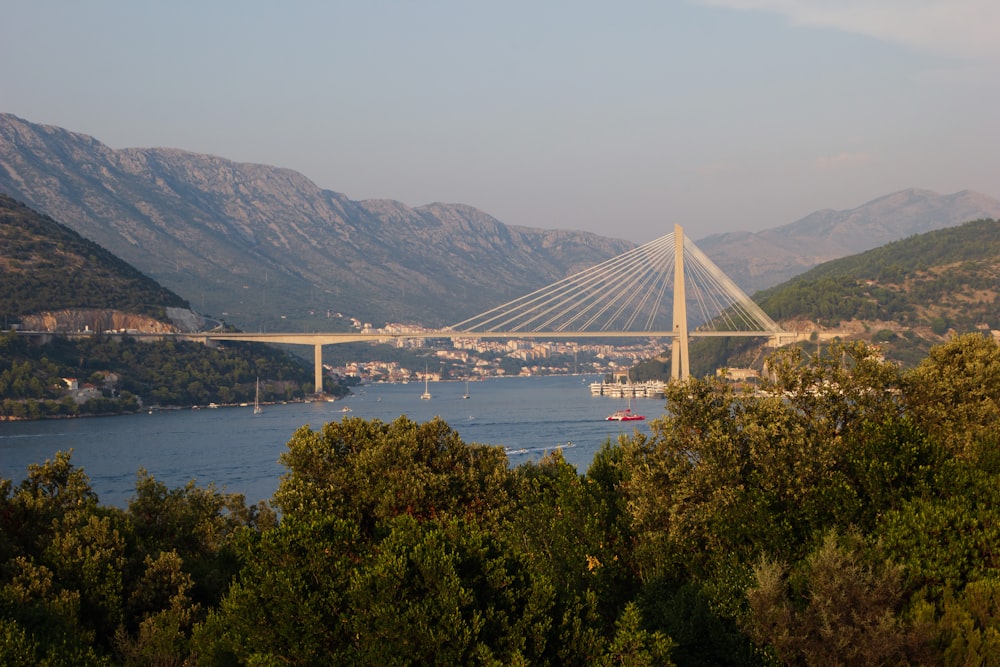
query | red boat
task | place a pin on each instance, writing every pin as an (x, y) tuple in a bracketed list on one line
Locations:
[(625, 415)]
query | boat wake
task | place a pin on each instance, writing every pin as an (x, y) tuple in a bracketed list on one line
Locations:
[(521, 451)]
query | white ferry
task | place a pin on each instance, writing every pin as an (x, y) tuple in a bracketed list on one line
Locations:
[(649, 389)]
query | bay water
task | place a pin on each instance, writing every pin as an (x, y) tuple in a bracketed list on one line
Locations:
[(238, 451)]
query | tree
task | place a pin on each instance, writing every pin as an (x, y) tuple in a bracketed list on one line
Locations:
[(87, 555), (49, 492), (198, 524), (318, 591), (562, 522), (947, 538), (447, 592), (368, 470), (968, 630), (60, 572), (728, 476), (161, 614), (42, 619), (633, 646), (289, 604), (954, 393), (839, 610)]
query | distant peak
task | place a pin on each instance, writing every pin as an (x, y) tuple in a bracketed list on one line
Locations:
[(907, 194)]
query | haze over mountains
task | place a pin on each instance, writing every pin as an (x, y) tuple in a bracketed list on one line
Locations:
[(758, 260), (266, 248)]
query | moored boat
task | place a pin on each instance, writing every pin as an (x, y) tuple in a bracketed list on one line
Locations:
[(649, 389), (426, 396), (256, 400), (625, 415)]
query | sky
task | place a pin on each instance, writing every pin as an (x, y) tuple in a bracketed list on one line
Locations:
[(620, 118)]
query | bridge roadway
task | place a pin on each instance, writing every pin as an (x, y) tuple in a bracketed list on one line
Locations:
[(318, 340)]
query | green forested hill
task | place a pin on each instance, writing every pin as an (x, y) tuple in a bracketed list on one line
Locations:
[(976, 240), (905, 296), (939, 281), (46, 266), (124, 371)]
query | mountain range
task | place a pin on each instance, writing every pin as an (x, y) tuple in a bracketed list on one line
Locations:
[(265, 248)]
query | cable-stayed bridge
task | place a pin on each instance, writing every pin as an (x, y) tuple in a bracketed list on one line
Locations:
[(628, 294), (624, 297)]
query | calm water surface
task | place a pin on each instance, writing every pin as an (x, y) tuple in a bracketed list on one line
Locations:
[(238, 451)]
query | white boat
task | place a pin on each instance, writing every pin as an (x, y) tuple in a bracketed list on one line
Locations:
[(466, 389), (649, 389), (426, 396), (256, 400)]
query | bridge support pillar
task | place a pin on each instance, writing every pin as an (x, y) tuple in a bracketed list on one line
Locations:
[(679, 364), (318, 359)]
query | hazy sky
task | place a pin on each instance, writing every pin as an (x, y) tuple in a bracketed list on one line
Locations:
[(618, 118)]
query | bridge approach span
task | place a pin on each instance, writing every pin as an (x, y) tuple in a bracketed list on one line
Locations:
[(318, 340)]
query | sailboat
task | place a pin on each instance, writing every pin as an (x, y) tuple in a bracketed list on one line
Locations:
[(426, 396), (466, 389), (625, 415), (256, 400)]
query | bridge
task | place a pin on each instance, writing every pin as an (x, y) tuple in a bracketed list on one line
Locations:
[(623, 297)]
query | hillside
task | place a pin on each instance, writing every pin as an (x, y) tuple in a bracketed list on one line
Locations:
[(905, 296), (265, 248), (45, 267), (929, 284), (52, 279), (758, 260)]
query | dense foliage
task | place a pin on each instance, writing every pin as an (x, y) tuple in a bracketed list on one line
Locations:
[(46, 266), (125, 371), (843, 516), (949, 273)]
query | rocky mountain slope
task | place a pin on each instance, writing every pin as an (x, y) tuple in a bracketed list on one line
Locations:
[(757, 260), (266, 248)]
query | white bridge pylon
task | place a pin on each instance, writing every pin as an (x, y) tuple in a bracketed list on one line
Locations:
[(627, 295)]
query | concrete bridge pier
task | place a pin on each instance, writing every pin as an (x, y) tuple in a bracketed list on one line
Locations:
[(680, 367), (318, 358)]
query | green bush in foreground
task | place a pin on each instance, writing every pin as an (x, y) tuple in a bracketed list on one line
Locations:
[(841, 516)]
